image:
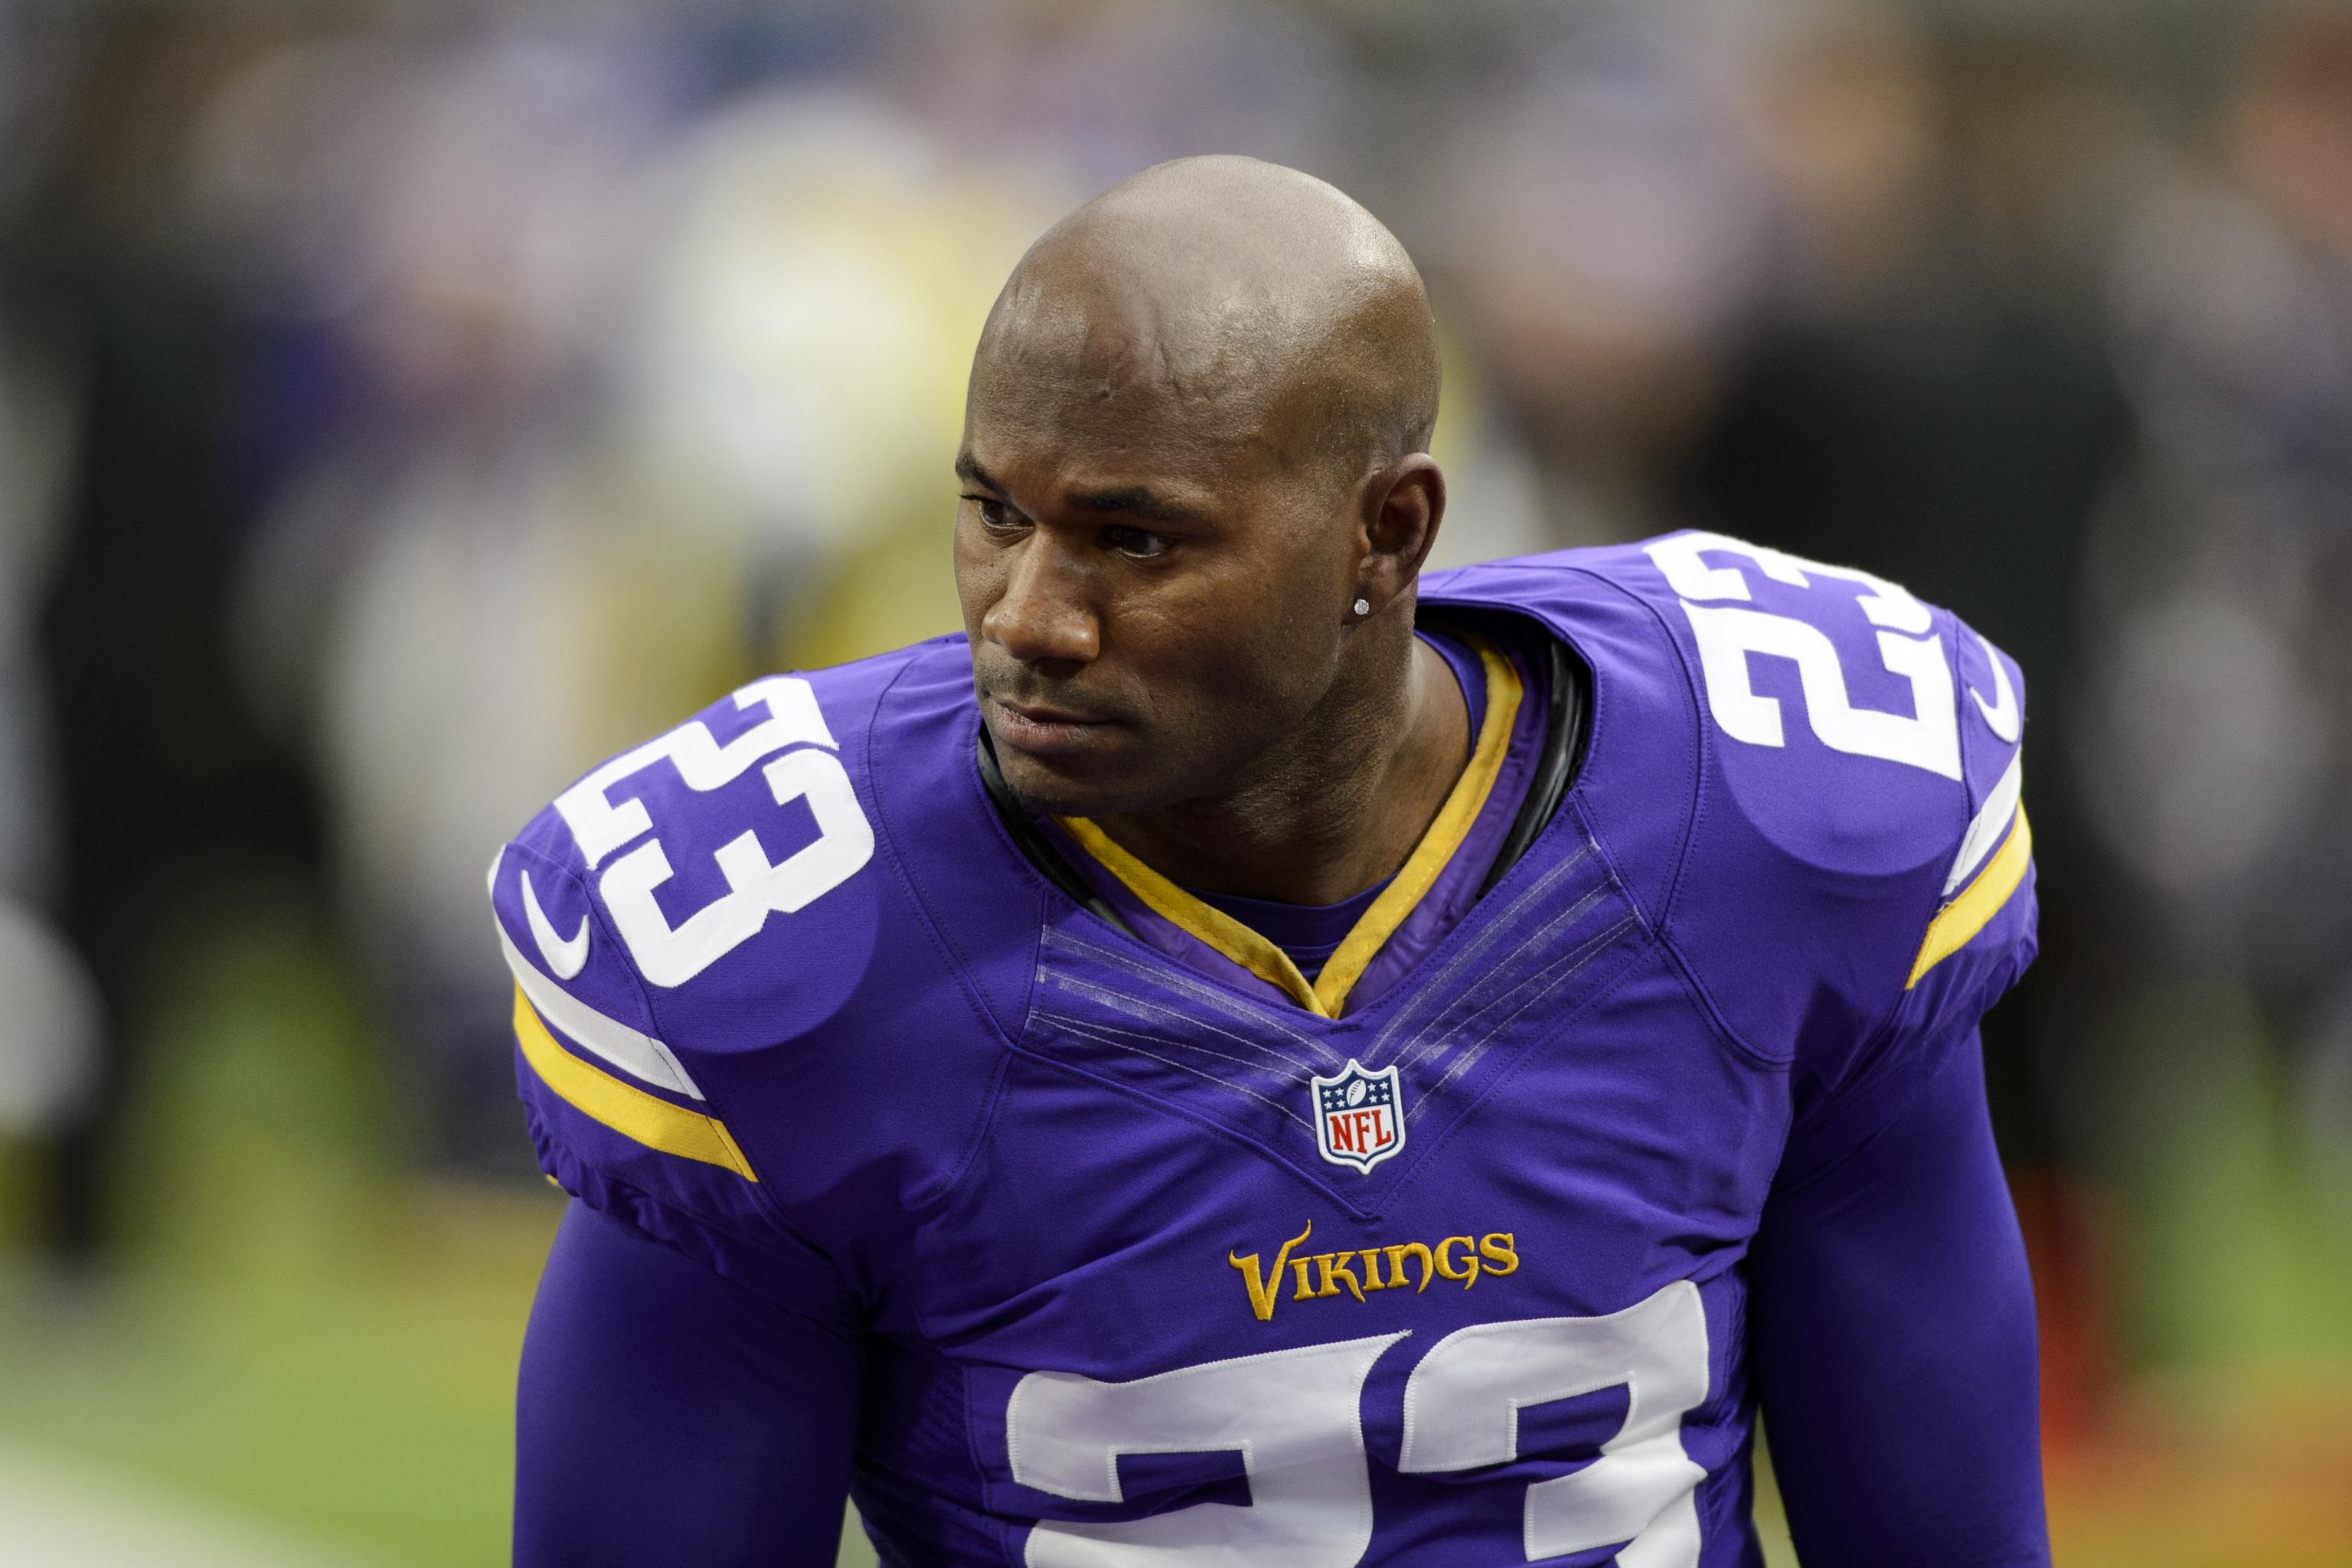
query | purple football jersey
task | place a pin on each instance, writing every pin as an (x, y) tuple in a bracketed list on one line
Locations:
[(1158, 1266)]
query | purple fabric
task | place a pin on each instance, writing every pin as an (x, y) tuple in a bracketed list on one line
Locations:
[(665, 1415), (1891, 1322), (1309, 933), (1469, 671), (1890, 1315)]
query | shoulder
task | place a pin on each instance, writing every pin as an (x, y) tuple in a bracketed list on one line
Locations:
[(1809, 778), (718, 952), (690, 844)]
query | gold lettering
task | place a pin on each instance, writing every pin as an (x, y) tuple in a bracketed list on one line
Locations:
[(1397, 1256), (1468, 1275), (1265, 1291), (1320, 1276), (1336, 1266)]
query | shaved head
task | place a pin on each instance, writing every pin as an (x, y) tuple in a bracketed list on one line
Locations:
[(1248, 303), (1196, 497)]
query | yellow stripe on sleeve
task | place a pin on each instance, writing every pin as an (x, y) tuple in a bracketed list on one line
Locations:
[(1967, 914), (630, 1111)]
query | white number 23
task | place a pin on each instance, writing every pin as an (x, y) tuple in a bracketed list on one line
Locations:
[(1293, 1417), (808, 770), (1927, 737)]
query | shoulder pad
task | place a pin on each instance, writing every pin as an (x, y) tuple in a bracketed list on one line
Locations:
[(1851, 793), (722, 871), (696, 839), (727, 1002)]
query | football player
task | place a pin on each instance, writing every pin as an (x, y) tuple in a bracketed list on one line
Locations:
[(1248, 1055)]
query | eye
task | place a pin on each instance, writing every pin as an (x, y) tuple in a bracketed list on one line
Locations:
[(995, 515), (1138, 543)]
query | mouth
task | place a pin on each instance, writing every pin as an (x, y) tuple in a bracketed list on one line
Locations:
[(1041, 728)]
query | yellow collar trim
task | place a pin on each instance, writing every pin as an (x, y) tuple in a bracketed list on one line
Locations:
[(1210, 924), (1328, 992)]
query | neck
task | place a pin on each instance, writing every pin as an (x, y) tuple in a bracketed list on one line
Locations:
[(1332, 811)]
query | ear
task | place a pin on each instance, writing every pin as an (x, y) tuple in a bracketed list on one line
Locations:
[(1403, 506)]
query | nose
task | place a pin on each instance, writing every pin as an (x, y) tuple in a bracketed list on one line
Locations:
[(1043, 616)]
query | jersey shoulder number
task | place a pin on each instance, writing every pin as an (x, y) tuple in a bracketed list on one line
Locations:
[(1886, 623), (1863, 822), (630, 913), (625, 816)]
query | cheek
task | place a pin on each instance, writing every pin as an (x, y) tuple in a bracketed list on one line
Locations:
[(1246, 667), (979, 576)]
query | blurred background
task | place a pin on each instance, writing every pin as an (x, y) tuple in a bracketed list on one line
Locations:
[(403, 405)]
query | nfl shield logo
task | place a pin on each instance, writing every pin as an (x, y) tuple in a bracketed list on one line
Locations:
[(1357, 1118)]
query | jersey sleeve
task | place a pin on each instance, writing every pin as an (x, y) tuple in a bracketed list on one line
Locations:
[(1858, 885), (738, 1420), (616, 1117), (627, 913), (1892, 1342), (1975, 931)]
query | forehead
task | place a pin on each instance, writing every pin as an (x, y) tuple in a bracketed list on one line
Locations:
[(1033, 423), (1067, 430), (1152, 358)]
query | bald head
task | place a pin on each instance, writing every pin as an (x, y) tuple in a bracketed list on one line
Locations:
[(1196, 493), (1229, 303)]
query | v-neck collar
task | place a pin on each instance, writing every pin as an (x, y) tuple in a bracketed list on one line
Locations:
[(1327, 994)]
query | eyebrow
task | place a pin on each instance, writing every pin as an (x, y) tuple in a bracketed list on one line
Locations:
[(1136, 500), (1133, 500)]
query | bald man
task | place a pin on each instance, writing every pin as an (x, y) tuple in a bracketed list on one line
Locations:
[(1249, 1055)]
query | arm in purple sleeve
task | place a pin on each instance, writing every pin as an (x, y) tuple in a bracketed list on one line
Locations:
[(1893, 1339), (668, 1414)]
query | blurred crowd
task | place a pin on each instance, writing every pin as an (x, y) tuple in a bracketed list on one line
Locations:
[(402, 406)]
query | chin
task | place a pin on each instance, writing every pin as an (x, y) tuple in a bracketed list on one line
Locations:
[(1051, 794), (1058, 788)]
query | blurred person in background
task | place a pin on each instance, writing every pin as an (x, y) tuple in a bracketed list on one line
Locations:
[(2222, 769), (172, 799), (51, 1029), (1926, 389), (431, 616), (634, 385), (2218, 762), (1594, 219)]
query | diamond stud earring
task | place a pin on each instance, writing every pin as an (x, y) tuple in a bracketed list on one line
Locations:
[(1363, 606)]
